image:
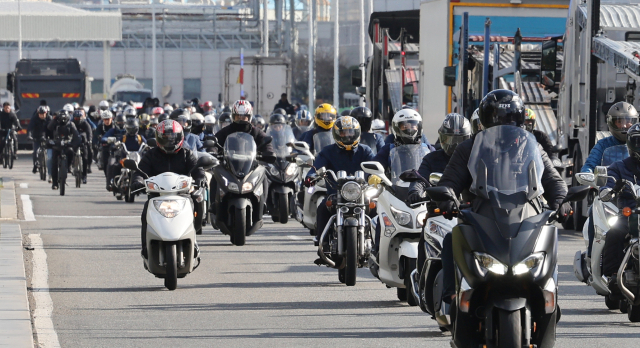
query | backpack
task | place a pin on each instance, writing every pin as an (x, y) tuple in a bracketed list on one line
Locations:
[(124, 139)]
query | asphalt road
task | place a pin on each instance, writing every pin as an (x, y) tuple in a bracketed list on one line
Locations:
[(267, 293)]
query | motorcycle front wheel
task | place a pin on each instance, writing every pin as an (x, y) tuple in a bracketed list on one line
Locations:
[(510, 329), (239, 227), (351, 234), (62, 175), (283, 209), (171, 267)]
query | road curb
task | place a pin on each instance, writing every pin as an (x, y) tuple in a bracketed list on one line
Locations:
[(8, 205), (15, 318)]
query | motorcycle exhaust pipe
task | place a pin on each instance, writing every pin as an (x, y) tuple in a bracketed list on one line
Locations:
[(321, 242)]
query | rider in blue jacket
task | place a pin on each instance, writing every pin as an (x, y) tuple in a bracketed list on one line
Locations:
[(324, 118), (407, 125)]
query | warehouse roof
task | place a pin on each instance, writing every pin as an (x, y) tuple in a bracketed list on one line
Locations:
[(46, 21)]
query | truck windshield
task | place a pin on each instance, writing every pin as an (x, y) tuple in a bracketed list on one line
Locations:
[(136, 97)]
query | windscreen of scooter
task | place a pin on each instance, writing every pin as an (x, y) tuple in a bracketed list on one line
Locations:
[(240, 153), (403, 158), (506, 159), (282, 135), (322, 139), (614, 154)]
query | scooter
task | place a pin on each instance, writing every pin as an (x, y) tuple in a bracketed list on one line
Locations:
[(171, 236), (284, 177), (123, 181), (312, 196)]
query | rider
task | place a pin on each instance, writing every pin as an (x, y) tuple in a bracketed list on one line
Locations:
[(277, 124), (85, 132), (345, 154), (498, 107), (63, 133), (9, 120), (209, 126), (197, 124), (620, 117), (132, 141), (242, 113), (363, 115), (223, 121), (324, 118), (541, 137), (303, 122), (36, 130), (156, 112), (258, 122), (104, 126), (207, 109), (407, 125), (168, 156), (116, 132), (151, 132), (191, 140), (378, 127), (144, 123)]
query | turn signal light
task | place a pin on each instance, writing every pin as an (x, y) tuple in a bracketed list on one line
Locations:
[(626, 211), (328, 203), (436, 210), (122, 162), (372, 205)]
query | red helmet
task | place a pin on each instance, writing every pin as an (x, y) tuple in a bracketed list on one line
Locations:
[(208, 105), (169, 136), (157, 111)]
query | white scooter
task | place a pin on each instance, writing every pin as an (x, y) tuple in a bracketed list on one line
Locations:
[(171, 236), (313, 195)]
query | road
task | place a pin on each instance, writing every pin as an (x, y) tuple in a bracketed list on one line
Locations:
[(267, 293)]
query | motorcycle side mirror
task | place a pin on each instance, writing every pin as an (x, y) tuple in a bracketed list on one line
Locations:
[(409, 176), (301, 146), (292, 158), (434, 178), (585, 178), (206, 161), (265, 141), (152, 142), (375, 168), (600, 173), (268, 158), (111, 140), (130, 164), (577, 193), (441, 193)]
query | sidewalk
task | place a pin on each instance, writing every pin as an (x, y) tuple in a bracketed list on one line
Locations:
[(15, 319)]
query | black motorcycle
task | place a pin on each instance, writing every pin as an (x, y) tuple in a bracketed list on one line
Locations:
[(240, 194), (283, 176), (504, 248)]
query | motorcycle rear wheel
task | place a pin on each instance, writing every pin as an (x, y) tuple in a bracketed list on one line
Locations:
[(352, 255), (510, 329), (611, 303), (171, 267)]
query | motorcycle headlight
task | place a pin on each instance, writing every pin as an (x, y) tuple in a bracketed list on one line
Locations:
[(402, 217), (611, 215), (489, 263), (371, 192), (420, 218), (530, 264), (291, 169), (351, 191), (273, 170), (169, 208), (436, 229), (233, 187), (246, 187)]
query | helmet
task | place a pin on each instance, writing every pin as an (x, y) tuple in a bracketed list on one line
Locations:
[(42, 109), (207, 106), (197, 120), (78, 115), (167, 109), (106, 114), (169, 136), (144, 119), (325, 115), (114, 109), (69, 108), (209, 122), (185, 122), (187, 104), (280, 111), (363, 115), (157, 111), (633, 141), (177, 113), (620, 117), (104, 105), (378, 126), (345, 112), (153, 122), (162, 118), (242, 108), (476, 126), (76, 106), (130, 112), (501, 107), (407, 126), (224, 119), (454, 130), (304, 120), (529, 120), (63, 117), (277, 119), (346, 132), (258, 122), (120, 121), (131, 126)]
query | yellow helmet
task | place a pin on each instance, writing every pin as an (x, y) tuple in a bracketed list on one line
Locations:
[(529, 120), (325, 115)]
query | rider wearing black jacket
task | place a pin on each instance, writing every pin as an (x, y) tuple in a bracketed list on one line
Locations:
[(499, 107), (36, 130), (64, 132), (168, 156), (9, 120), (86, 133)]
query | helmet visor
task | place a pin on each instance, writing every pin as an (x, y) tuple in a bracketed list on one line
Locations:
[(449, 142), (622, 123), (303, 122), (169, 141), (347, 136), (409, 128), (326, 117)]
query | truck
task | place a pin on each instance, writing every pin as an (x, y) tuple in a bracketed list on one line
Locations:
[(127, 89), (260, 80), (56, 81)]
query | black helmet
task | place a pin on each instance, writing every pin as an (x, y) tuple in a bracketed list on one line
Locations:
[(501, 107), (130, 112), (346, 112), (177, 112), (280, 111), (259, 122), (364, 116), (63, 117), (620, 117), (346, 132), (131, 126), (454, 130), (162, 118), (277, 119), (185, 122), (120, 121), (224, 119), (633, 141), (77, 115), (169, 136)]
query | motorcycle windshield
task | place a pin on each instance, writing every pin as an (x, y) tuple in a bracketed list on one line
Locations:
[(240, 153), (282, 135), (403, 158), (506, 160), (614, 154), (369, 140), (322, 139)]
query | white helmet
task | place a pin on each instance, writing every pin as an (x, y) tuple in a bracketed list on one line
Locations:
[(209, 120), (104, 105), (69, 108), (407, 126), (104, 114), (378, 126), (242, 108), (168, 109)]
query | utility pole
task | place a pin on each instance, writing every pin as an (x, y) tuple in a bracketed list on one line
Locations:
[(19, 32), (312, 52), (362, 43), (370, 12), (154, 83), (265, 43), (336, 54)]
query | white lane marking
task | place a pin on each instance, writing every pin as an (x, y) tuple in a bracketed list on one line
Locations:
[(24, 185), (27, 208), (296, 238), (88, 217), (45, 332)]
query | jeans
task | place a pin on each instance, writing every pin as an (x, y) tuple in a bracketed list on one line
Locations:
[(613, 251)]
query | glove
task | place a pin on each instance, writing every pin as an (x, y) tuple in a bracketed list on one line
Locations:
[(308, 182), (447, 208), (415, 197), (374, 180), (618, 186), (564, 212), (136, 185)]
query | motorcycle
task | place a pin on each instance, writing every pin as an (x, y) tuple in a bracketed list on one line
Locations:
[(240, 196), (123, 181), (400, 224), (347, 236), (284, 177), (171, 235), (604, 216), (504, 248), (206, 190)]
